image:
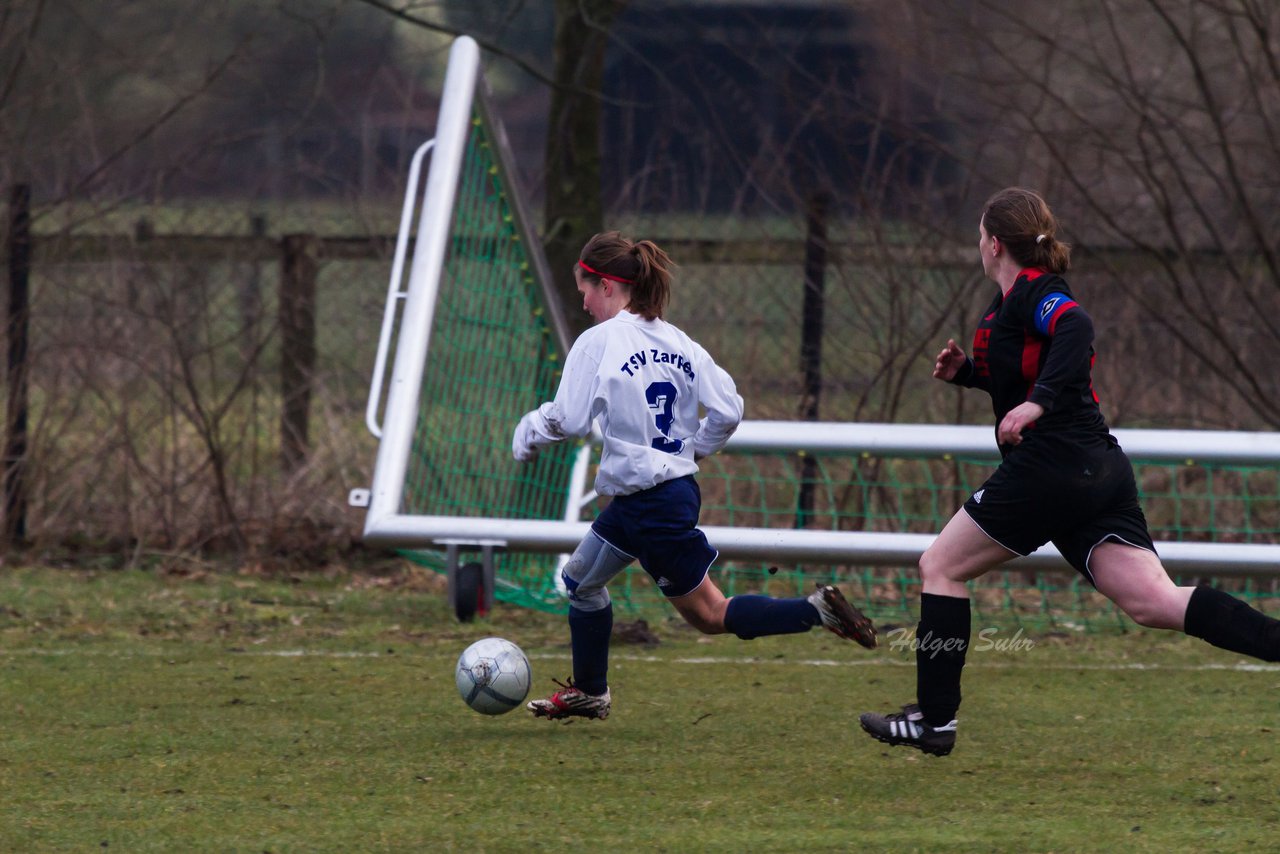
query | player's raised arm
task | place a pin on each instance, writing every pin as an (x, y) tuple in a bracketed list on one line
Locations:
[(570, 414), (949, 362)]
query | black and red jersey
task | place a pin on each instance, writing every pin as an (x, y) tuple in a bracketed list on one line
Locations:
[(1036, 343)]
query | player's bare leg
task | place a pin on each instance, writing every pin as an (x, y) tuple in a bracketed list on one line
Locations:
[(703, 608), (1135, 580)]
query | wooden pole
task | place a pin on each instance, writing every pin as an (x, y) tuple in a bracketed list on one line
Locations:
[(15, 443), (298, 345), (815, 264)]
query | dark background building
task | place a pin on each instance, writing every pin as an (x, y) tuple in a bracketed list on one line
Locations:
[(750, 106)]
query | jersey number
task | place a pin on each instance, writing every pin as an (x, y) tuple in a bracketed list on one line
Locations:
[(662, 397)]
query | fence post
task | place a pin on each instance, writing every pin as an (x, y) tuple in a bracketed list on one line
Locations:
[(815, 264), (15, 440), (298, 344), (249, 292)]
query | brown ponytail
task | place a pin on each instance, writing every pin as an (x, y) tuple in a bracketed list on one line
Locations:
[(642, 267), (1022, 221)]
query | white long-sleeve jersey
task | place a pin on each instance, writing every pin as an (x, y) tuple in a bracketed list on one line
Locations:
[(644, 380)]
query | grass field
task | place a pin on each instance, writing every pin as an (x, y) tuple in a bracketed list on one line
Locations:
[(318, 713)]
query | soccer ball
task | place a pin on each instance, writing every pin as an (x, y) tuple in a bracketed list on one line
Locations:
[(493, 676)]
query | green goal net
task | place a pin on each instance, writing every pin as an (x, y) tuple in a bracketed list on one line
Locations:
[(494, 354)]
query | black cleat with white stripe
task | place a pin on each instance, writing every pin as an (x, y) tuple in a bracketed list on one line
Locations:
[(908, 727)]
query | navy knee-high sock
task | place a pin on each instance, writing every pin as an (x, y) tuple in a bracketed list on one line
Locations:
[(756, 616), (942, 639), (589, 633), (1228, 623)]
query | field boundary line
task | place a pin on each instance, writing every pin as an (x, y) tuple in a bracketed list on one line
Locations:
[(699, 660), (1243, 666)]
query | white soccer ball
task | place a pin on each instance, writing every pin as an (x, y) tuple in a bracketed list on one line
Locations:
[(493, 676)]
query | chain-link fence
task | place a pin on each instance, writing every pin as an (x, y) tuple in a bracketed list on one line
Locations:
[(196, 375)]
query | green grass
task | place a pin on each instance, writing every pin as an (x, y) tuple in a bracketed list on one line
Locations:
[(318, 713)]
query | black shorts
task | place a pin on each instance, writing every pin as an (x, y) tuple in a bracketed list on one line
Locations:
[(1075, 496)]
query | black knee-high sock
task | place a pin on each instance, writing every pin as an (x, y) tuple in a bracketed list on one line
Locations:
[(942, 640), (589, 633), (1227, 622)]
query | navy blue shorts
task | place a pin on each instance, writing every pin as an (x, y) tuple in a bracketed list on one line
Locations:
[(1075, 496), (659, 528)]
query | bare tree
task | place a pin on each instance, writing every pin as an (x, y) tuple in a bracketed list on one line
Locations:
[(1154, 127), (152, 424)]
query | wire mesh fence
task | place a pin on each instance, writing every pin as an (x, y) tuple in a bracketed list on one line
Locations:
[(159, 369), (158, 408)]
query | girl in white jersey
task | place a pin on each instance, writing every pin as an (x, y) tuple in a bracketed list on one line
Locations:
[(644, 381)]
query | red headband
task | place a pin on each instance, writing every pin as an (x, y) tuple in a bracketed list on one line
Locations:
[(583, 265)]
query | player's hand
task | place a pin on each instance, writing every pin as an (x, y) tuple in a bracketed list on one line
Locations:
[(1016, 420), (949, 361), (521, 447)]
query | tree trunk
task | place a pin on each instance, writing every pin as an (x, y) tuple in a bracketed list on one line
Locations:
[(574, 209), (15, 446)]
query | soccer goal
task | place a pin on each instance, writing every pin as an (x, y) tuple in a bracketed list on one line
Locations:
[(475, 337)]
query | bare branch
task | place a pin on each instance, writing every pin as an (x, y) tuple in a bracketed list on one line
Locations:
[(418, 21)]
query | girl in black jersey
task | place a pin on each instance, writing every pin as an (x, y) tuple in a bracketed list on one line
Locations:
[(1063, 479)]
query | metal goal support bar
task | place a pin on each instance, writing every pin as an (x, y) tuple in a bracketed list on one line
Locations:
[(873, 548), (858, 548)]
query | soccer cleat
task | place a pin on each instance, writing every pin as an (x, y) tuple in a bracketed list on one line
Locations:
[(841, 617), (908, 727), (570, 702)]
